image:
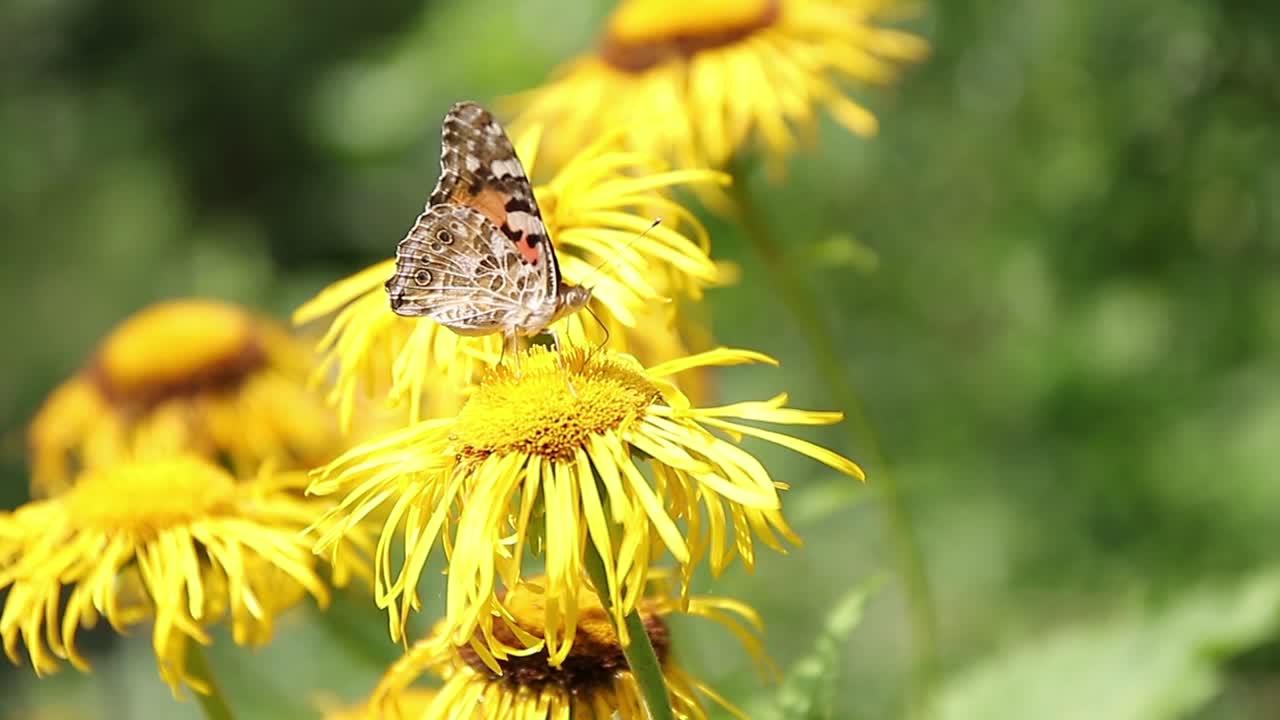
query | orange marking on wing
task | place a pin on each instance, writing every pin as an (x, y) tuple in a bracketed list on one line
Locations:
[(489, 202), (493, 205), (530, 253)]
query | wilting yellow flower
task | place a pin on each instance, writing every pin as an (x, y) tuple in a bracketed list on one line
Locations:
[(592, 682), (594, 209), (185, 375), (600, 451), (177, 540), (708, 75)]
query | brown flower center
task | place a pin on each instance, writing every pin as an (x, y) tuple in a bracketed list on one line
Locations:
[(175, 349), (645, 33), (594, 660)]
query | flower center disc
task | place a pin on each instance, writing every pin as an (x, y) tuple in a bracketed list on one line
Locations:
[(645, 33), (177, 348), (149, 495), (596, 656), (549, 409)]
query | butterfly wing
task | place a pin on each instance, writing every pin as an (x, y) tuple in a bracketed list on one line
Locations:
[(479, 169), (456, 268)]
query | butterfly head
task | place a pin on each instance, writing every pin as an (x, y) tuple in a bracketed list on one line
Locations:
[(572, 298)]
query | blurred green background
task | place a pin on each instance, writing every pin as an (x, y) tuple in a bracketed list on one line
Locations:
[(1053, 276)]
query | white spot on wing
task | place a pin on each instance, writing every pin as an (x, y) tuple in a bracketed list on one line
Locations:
[(472, 162), (509, 167), (525, 222)]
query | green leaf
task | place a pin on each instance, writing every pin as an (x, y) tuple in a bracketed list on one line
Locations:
[(1136, 666), (809, 688)]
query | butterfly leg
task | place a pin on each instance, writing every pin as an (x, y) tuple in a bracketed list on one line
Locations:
[(511, 343)]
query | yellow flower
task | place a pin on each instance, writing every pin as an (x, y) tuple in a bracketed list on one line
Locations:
[(707, 76), (408, 703), (598, 451), (590, 683), (9, 534), (176, 539), (674, 330), (594, 208), (185, 375)]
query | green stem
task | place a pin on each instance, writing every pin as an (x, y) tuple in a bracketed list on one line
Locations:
[(641, 658), (214, 704), (804, 308)]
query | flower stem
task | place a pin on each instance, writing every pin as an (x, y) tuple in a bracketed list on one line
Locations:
[(641, 658), (214, 704), (805, 309)]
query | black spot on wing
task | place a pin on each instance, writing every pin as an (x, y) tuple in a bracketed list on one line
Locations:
[(519, 204)]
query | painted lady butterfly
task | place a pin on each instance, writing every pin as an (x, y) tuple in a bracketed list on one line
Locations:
[(478, 260)]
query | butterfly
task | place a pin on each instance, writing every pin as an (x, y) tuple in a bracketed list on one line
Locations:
[(478, 260)]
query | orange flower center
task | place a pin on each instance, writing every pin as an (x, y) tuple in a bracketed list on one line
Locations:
[(644, 33), (174, 349)]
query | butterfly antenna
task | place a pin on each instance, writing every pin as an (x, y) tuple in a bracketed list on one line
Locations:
[(607, 335), (606, 263)]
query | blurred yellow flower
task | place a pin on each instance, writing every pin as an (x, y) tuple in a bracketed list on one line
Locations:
[(185, 375), (590, 683), (9, 534), (588, 447), (177, 540), (707, 76), (594, 209), (408, 703)]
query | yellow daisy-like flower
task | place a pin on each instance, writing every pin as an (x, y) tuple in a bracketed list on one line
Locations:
[(590, 683), (708, 75), (594, 208), (185, 375), (676, 330), (408, 703), (9, 533), (178, 540), (588, 447)]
